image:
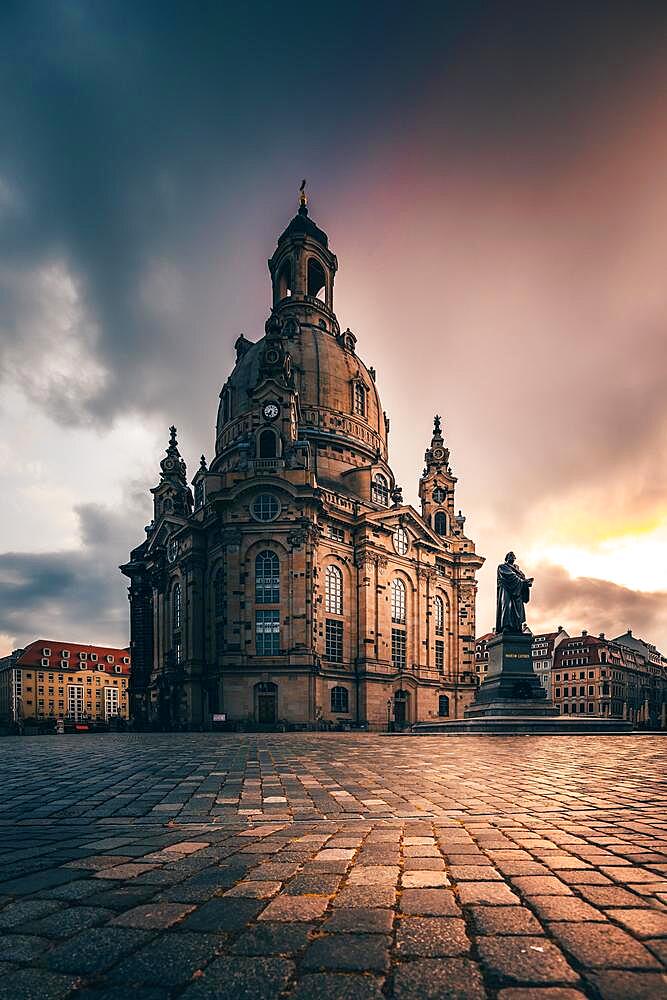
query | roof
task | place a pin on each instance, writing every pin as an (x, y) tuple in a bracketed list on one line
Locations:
[(32, 655), (301, 225), (485, 637)]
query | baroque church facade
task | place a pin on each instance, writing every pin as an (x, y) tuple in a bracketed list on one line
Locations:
[(291, 584)]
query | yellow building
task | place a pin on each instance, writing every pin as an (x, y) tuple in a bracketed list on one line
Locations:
[(58, 680)]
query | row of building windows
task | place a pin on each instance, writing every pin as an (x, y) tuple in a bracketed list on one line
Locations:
[(267, 620)]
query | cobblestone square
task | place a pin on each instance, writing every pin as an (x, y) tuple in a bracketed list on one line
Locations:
[(302, 866)]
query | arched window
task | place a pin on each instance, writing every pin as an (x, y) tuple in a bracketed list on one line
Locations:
[(359, 400), (267, 578), (398, 601), (340, 700), (333, 591), (380, 490), (440, 523), (176, 608), (316, 280), (439, 616), (268, 444), (443, 705), (284, 282)]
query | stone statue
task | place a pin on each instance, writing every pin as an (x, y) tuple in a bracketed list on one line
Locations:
[(513, 594)]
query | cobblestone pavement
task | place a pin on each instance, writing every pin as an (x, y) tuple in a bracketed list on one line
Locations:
[(333, 866)]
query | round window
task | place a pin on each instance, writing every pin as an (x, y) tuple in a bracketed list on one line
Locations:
[(401, 543), (265, 507)]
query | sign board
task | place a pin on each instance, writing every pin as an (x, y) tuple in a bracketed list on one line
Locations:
[(220, 717)]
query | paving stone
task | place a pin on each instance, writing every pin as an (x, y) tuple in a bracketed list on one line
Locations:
[(120, 993), (603, 946), (564, 908), (250, 978), (360, 921), (153, 915), (615, 985), (95, 950), (374, 875), (337, 986), (524, 959), (504, 920), (610, 896), (490, 893), (438, 979), (321, 885), (223, 914), (25, 910), (254, 890), (352, 952), (273, 939), (168, 961), (366, 896), (431, 937), (64, 923), (430, 902), (540, 885), (34, 984), (424, 879), (21, 947), (540, 993), (295, 908), (473, 873)]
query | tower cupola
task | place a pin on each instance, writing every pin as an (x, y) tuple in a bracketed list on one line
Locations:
[(303, 267)]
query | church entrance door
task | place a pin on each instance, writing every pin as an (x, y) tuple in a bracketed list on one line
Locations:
[(266, 703), (400, 707)]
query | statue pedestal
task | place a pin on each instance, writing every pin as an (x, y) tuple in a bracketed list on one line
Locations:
[(511, 686), (512, 702)]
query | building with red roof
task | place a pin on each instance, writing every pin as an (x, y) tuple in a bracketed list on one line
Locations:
[(72, 681)]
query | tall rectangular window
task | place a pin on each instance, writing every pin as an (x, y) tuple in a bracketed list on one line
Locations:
[(439, 655), (360, 399), (334, 640), (110, 701), (267, 632), (75, 700), (398, 648)]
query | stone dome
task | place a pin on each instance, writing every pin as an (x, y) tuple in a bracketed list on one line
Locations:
[(325, 369)]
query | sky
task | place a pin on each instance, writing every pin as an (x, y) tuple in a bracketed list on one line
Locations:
[(492, 179)]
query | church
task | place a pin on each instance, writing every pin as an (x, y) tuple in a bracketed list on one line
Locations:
[(289, 585)]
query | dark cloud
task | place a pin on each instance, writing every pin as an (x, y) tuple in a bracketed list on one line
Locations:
[(596, 605), (77, 594), (491, 175)]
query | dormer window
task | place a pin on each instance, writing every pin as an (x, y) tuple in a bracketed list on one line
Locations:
[(359, 398), (93, 656), (83, 656), (109, 658), (380, 490), (46, 651), (65, 654)]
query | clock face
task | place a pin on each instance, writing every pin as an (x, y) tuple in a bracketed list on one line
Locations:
[(270, 411), (172, 550), (438, 453), (169, 463), (439, 494)]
